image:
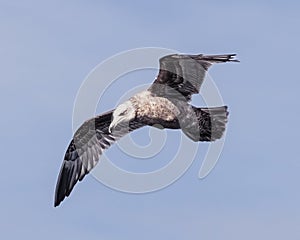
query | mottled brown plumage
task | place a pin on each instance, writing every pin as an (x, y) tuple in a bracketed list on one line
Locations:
[(150, 106)]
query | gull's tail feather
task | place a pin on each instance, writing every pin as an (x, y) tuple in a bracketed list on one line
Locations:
[(211, 124)]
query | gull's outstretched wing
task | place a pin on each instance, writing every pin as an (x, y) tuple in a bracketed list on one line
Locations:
[(184, 73), (83, 153)]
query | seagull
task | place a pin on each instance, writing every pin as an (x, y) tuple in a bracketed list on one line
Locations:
[(165, 104)]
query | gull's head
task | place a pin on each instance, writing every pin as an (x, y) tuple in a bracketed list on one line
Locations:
[(123, 113)]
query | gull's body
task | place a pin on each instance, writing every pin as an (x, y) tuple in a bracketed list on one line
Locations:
[(166, 104)]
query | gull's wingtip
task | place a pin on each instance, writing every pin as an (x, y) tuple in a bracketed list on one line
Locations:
[(233, 58)]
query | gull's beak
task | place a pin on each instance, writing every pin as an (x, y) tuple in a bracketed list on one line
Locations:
[(113, 124), (110, 128)]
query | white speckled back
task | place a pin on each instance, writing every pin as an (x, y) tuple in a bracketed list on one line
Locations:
[(154, 107)]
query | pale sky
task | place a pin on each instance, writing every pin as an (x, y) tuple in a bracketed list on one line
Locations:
[(47, 48)]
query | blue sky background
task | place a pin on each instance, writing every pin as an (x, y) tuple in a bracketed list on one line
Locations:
[(46, 50)]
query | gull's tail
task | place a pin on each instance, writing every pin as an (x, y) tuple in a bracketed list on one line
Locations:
[(211, 124)]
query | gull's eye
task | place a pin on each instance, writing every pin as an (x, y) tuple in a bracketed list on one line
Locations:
[(123, 113)]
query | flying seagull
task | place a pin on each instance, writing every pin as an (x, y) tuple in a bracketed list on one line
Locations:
[(165, 104)]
